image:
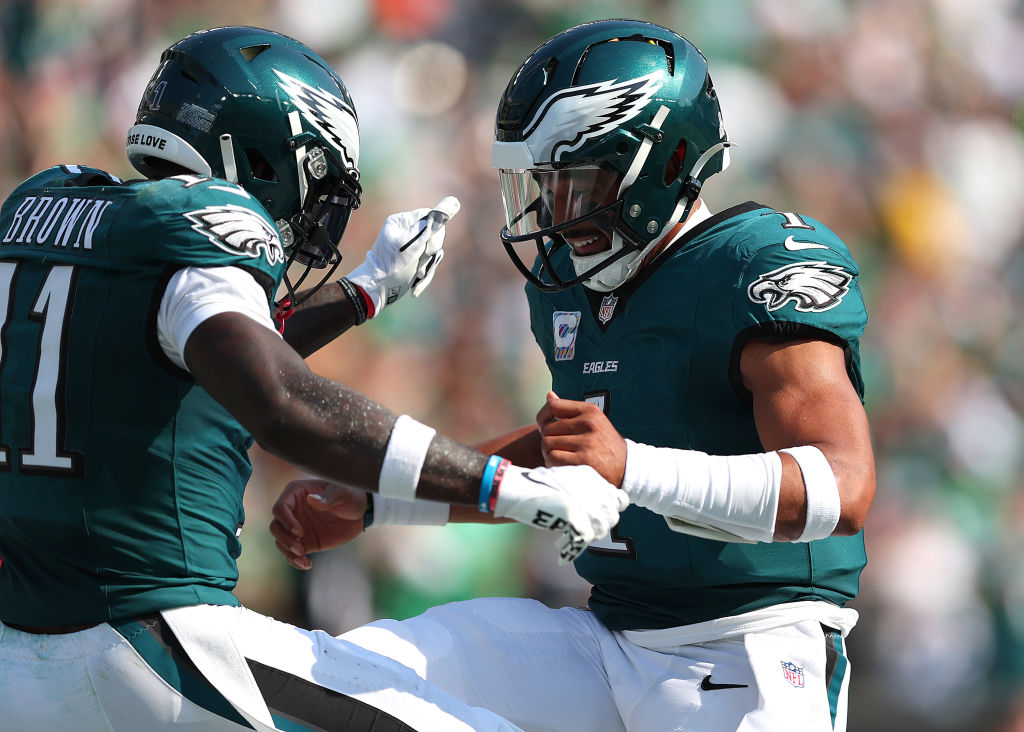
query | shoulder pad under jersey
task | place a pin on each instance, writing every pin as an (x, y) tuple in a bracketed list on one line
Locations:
[(67, 176)]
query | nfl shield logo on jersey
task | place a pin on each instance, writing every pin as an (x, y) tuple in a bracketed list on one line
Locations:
[(607, 310), (793, 674), (567, 325)]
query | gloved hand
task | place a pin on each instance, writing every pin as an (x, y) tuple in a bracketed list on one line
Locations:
[(405, 255), (573, 499)]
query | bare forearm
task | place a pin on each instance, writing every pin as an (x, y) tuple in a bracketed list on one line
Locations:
[(335, 432), (522, 446), (317, 424), (473, 515), (319, 320)]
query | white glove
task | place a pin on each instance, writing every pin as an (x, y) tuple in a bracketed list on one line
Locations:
[(405, 255), (572, 499)]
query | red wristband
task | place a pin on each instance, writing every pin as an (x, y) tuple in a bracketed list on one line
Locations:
[(499, 473), (370, 309)]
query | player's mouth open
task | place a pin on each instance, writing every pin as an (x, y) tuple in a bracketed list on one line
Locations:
[(589, 245)]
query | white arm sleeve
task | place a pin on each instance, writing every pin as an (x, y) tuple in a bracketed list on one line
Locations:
[(397, 512), (197, 293), (727, 498)]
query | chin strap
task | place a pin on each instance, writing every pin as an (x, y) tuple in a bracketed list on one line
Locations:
[(690, 192), (650, 134), (645, 149), (692, 186)]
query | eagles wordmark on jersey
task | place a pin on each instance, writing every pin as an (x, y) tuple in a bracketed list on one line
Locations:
[(660, 356)]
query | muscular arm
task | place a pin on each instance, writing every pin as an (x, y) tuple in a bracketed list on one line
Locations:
[(803, 396), (404, 256), (317, 424), (302, 526)]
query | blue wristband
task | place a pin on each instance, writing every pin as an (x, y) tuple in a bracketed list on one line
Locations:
[(487, 483)]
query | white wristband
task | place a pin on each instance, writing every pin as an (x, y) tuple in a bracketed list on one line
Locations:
[(407, 449), (823, 504), (729, 498), (396, 512)]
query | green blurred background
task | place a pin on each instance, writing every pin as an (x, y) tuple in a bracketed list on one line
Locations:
[(896, 122)]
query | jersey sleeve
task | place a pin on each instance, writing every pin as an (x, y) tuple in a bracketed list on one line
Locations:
[(195, 294), (800, 285), (191, 221), (64, 176)]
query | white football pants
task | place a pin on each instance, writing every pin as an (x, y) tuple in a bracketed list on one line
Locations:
[(561, 670), (215, 668)]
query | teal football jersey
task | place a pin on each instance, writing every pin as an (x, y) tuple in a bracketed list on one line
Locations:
[(120, 479), (660, 355)]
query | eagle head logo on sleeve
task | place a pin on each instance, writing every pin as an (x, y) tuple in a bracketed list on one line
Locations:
[(237, 230), (813, 287)]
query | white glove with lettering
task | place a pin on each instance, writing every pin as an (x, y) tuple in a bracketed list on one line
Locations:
[(572, 499), (405, 255)]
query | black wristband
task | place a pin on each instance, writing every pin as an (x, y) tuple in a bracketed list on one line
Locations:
[(356, 298), (368, 514)]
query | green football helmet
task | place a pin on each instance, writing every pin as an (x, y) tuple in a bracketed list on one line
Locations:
[(262, 110), (603, 139)]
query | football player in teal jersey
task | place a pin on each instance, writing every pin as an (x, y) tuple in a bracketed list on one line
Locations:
[(139, 361), (706, 363)]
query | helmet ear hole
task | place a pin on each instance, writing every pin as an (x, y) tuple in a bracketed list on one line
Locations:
[(259, 165), (674, 166)]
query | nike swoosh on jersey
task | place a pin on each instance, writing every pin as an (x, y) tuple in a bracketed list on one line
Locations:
[(796, 246), (707, 685)]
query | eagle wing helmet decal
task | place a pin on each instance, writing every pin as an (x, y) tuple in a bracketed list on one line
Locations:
[(581, 113), (328, 113), (237, 230), (813, 287)]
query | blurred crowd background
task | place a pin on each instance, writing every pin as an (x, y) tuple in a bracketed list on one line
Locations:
[(896, 122)]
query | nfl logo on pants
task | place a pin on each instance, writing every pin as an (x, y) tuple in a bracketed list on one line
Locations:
[(793, 673)]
